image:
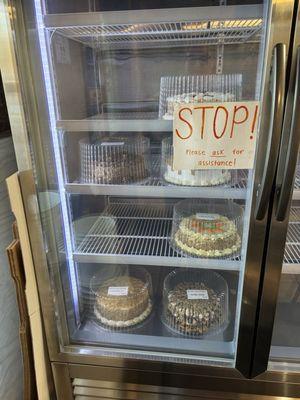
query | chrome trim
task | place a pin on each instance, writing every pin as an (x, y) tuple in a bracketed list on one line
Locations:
[(179, 386), (23, 106), (150, 15), (62, 381), (12, 88), (276, 114)]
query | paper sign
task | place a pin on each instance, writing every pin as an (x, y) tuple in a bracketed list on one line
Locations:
[(195, 294), (215, 135), (117, 291)]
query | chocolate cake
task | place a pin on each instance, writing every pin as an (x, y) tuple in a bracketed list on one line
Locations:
[(193, 308), (115, 160)]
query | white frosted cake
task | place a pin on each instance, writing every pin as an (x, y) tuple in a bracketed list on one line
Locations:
[(206, 97), (193, 177), (189, 177), (119, 309)]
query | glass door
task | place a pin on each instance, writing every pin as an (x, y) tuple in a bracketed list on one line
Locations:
[(285, 345), (277, 338), (148, 261), (285, 348)]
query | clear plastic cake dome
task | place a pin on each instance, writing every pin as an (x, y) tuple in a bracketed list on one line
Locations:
[(122, 297), (194, 177), (115, 159), (207, 228), (195, 303), (197, 89)]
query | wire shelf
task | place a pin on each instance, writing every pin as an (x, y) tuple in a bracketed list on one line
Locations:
[(292, 246), (117, 122), (155, 186), (128, 115), (141, 231), (165, 34), (296, 193)]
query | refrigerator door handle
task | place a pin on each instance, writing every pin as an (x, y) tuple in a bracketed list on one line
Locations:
[(293, 148), (277, 105)]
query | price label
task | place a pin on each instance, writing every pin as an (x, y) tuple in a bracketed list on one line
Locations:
[(215, 135), (197, 294), (112, 144), (207, 217), (117, 291)]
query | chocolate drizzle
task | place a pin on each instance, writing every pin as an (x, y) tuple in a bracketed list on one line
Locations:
[(196, 316)]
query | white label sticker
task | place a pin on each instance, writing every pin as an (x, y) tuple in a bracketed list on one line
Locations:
[(196, 294), (117, 291), (215, 135), (112, 144), (207, 217)]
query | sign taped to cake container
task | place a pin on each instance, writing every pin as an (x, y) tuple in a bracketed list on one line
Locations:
[(215, 135)]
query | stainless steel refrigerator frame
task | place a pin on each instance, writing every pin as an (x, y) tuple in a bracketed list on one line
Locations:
[(29, 121)]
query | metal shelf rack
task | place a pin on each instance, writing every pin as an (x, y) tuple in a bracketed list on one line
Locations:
[(296, 193), (156, 187), (172, 27), (117, 123), (291, 263), (138, 233)]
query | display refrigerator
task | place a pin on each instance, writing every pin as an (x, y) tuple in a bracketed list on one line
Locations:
[(154, 280)]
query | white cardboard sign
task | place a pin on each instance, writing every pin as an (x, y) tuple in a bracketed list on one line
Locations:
[(215, 135)]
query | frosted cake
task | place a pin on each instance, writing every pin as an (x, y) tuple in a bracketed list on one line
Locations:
[(207, 235), (122, 301), (193, 315), (192, 177), (189, 177)]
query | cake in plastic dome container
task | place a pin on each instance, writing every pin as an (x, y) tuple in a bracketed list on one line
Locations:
[(122, 297), (195, 303), (207, 228), (115, 159), (197, 89), (192, 177)]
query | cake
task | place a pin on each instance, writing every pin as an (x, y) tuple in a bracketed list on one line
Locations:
[(121, 168), (190, 177), (193, 97), (207, 235), (115, 160), (122, 301), (193, 177), (193, 308)]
